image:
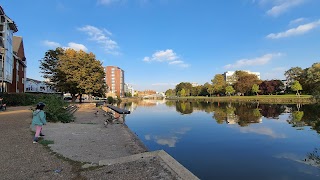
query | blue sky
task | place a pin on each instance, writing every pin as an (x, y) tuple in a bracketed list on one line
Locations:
[(159, 43)]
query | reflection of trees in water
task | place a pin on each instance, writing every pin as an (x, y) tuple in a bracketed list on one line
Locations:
[(313, 158), (184, 107), (246, 113), (272, 110), (295, 119), (171, 103), (310, 116)]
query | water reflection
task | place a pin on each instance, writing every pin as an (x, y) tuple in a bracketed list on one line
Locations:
[(170, 139), (245, 114), (313, 158), (255, 141)]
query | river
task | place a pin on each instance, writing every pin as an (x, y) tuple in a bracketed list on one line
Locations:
[(232, 141)]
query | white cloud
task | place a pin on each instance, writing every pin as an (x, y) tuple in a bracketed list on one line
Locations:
[(170, 139), (283, 6), (297, 21), (101, 36), (302, 29), (71, 45), (258, 61), (51, 44), (76, 46), (166, 56), (279, 7), (263, 131)]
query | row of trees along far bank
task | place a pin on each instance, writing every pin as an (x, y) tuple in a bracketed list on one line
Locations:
[(242, 83), (74, 72)]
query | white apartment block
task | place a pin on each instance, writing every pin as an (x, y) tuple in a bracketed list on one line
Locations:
[(229, 78), (35, 86)]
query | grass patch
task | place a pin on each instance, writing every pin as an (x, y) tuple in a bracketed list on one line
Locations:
[(89, 123), (46, 142), (290, 99)]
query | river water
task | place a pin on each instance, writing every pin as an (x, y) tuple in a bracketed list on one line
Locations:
[(232, 141)]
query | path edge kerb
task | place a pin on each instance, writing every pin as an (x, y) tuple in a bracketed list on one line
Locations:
[(173, 164)]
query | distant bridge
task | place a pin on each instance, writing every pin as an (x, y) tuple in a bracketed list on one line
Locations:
[(154, 96)]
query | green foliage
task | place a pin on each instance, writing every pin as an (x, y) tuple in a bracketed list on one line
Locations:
[(20, 99), (170, 92), (230, 90), (55, 106), (297, 115), (76, 72), (182, 92), (46, 142), (110, 100), (296, 86), (56, 109), (255, 88), (218, 83), (184, 85), (245, 82), (293, 74), (210, 90)]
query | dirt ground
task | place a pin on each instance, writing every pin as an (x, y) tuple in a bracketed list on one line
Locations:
[(20, 158)]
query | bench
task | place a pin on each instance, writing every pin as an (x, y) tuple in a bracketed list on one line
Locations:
[(118, 110), (100, 103), (72, 108), (111, 119)]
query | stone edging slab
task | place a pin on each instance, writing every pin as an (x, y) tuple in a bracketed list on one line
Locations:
[(174, 165)]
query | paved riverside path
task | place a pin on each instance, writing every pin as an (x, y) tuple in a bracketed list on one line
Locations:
[(116, 149), (19, 157)]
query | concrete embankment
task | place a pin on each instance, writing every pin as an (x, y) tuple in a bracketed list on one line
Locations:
[(114, 151)]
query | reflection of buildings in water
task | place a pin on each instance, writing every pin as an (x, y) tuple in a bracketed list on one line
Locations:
[(163, 101), (149, 102), (232, 119), (287, 109)]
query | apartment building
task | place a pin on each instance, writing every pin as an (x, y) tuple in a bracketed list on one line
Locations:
[(12, 57), (36, 86), (115, 81)]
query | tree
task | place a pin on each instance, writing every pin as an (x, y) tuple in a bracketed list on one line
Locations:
[(296, 86), (76, 72), (230, 90), (293, 74), (186, 86), (170, 92), (182, 92), (210, 90), (245, 82), (195, 91), (218, 83), (313, 79), (255, 89), (204, 89), (270, 87)]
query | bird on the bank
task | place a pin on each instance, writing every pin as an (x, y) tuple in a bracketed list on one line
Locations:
[(96, 113)]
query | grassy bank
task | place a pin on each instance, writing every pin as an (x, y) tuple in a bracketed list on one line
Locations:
[(290, 99)]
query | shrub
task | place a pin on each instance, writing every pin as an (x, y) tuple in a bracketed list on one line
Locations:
[(55, 109), (110, 100)]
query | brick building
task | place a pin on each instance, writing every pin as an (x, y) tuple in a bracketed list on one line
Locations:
[(12, 57), (115, 81)]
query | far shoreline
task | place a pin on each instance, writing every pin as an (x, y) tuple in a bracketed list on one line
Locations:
[(268, 99)]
